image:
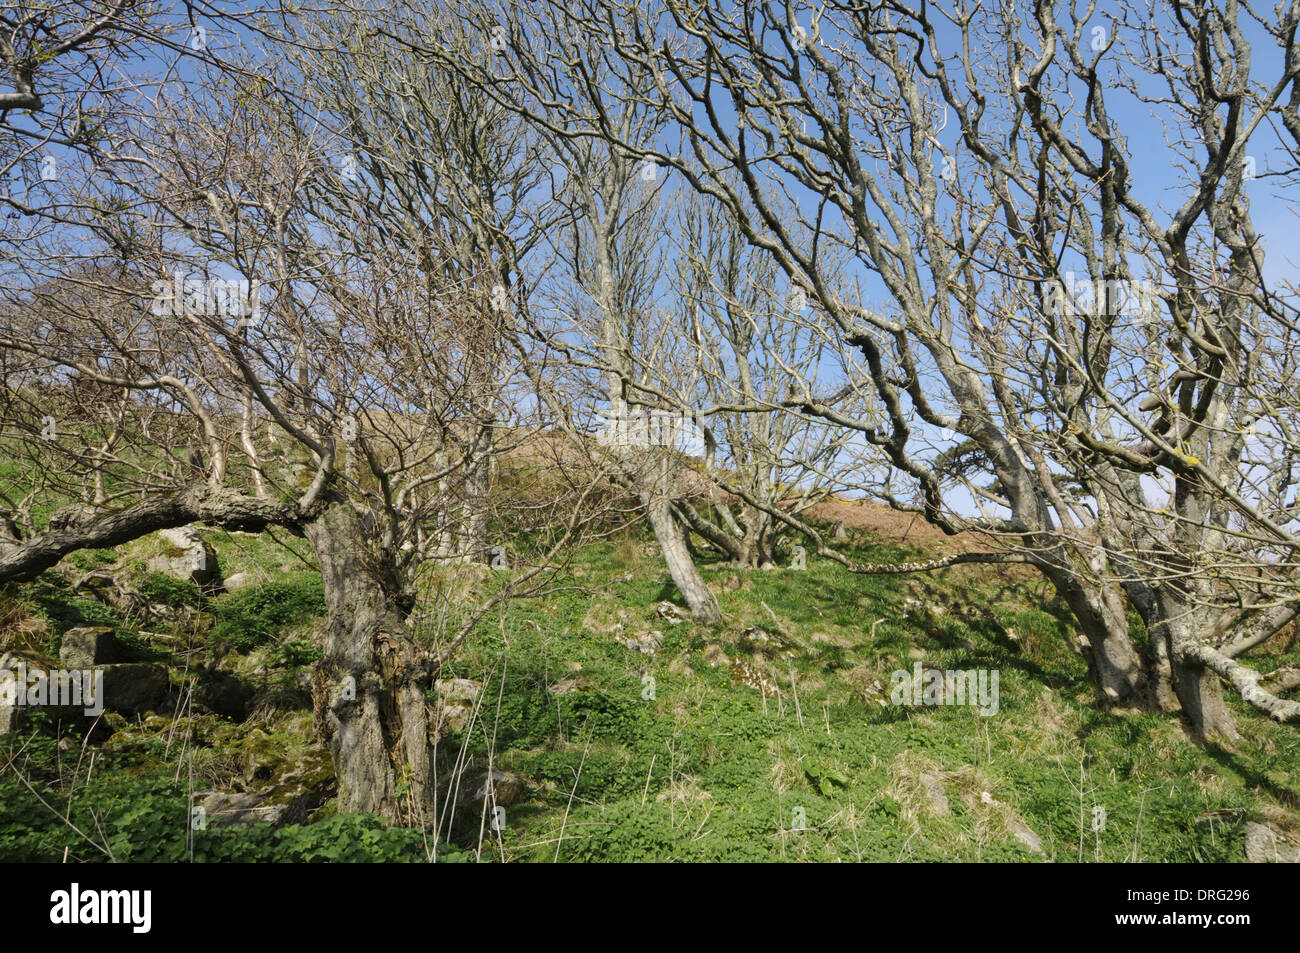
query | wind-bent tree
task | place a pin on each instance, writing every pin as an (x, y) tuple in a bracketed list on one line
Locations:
[(443, 172), (269, 327), (614, 211), (972, 164), (751, 335)]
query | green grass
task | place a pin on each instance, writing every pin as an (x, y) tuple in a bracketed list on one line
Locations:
[(706, 768), (728, 770)]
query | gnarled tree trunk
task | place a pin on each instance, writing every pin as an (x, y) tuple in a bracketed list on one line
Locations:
[(1099, 611), (699, 599), (369, 689), (1199, 690)]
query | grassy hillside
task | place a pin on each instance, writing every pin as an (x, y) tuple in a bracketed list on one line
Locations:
[(623, 733)]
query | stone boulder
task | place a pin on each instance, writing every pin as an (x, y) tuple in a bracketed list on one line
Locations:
[(88, 646), (15, 705), (187, 556), (225, 809), (104, 586), (239, 580), (455, 705), (501, 788), (1265, 845), (459, 690), (129, 687), (134, 686), (297, 791), (261, 756)]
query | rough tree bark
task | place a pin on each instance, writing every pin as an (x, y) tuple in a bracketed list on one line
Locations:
[(1099, 611), (1198, 689), (672, 540), (369, 689), (26, 559)]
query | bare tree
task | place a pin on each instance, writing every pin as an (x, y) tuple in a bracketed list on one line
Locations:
[(262, 310), (615, 209), (445, 173), (968, 163), (753, 335)]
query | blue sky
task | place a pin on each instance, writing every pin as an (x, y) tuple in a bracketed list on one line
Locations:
[(1158, 179)]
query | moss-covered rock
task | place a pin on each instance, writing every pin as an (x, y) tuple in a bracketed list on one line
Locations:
[(299, 789)]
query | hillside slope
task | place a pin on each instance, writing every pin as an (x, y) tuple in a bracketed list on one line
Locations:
[(616, 729)]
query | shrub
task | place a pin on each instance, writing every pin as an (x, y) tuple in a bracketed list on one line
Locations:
[(253, 617), (161, 588), (294, 653)]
